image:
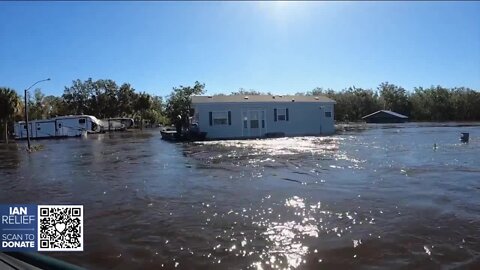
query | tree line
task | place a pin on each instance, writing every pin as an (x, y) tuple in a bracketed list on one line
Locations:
[(435, 103), (101, 98), (104, 98)]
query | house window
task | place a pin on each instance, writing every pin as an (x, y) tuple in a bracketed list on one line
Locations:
[(220, 118), (263, 119), (328, 114), (281, 114)]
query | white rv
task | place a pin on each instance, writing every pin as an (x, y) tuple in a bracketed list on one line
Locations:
[(62, 126)]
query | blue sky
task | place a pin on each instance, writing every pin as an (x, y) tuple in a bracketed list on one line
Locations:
[(282, 47)]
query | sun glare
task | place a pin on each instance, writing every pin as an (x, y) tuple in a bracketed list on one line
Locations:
[(282, 7)]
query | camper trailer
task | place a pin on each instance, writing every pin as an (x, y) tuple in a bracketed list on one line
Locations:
[(114, 124), (62, 126)]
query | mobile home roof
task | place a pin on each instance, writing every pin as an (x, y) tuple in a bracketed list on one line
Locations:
[(259, 98)]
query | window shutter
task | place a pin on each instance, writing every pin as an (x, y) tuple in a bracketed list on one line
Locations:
[(287, 113), (275, 115), (229, 118), (210, 118)]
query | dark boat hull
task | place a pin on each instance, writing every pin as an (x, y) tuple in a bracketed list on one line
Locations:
[(187, 137), (169, 135)]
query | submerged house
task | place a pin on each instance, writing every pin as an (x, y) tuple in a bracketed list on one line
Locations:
[(62, 126), (238, 116), (384, 116)]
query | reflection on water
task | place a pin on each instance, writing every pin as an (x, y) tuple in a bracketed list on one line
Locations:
[(377, 198), (285, 237), (10, 156), (276, 147)]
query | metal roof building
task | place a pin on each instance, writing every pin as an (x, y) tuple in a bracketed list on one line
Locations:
[(385, 116)]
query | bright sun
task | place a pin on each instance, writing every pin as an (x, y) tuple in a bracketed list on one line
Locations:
[(283, 11)]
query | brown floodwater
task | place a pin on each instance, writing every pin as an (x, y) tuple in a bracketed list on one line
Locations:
[(379, 198)]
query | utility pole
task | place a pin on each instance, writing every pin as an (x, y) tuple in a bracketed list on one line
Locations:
[(26, 111), (26, 120)]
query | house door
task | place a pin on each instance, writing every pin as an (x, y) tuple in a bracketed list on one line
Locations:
[(60, 128), (254, 123), (32, 130)]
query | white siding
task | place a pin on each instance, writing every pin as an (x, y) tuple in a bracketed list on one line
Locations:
[(44, 129), (305, 118)]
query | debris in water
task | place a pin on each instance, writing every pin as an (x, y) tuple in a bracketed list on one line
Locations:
[(427, 250)]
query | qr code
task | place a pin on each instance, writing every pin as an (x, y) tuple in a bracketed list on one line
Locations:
[(60, 228)]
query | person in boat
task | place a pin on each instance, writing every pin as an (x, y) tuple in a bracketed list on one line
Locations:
[(178, 125), (194, 128)]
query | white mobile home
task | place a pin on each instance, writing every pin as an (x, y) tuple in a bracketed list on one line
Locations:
[(63, 126), (238, 116)]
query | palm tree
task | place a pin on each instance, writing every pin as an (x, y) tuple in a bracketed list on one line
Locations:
[(9, 103)]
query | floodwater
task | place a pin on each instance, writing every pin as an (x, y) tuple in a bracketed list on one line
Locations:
[(380, 198)]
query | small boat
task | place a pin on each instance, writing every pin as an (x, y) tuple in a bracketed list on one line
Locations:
[(168, 133), (192, 134)]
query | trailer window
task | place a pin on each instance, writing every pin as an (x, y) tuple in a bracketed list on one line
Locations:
[(220, 118), (281, 114), (328, 114), (81, 121)]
